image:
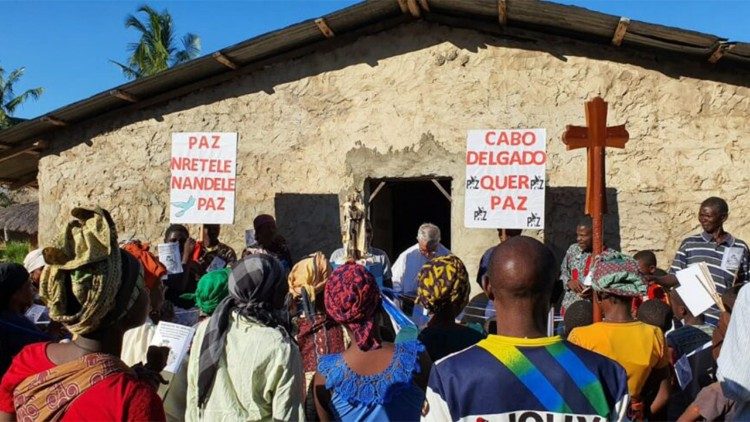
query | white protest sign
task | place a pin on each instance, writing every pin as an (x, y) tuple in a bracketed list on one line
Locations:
[(505, 178), (204, 166)]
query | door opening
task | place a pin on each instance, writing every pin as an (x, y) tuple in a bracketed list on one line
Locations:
[(398, 206)]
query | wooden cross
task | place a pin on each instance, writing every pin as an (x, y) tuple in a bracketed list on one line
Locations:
[(596, 137)]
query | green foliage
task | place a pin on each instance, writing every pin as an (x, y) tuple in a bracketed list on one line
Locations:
[(15, 252), (9, 101), (156, 50)]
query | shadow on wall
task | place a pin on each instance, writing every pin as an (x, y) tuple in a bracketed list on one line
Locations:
[(564, 209), (309, 222)]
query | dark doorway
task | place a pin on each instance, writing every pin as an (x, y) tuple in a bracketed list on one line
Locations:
[(399, 206)]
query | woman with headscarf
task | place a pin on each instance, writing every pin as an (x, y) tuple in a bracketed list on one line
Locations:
[(443, 291), (97, 291), (640, 348), (212, 289), (317, 334), (243, 363), (370, 380)]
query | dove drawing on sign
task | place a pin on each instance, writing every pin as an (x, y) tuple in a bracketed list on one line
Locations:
[(184, 206)]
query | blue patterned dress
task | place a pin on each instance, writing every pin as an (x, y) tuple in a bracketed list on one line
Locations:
[(357, 397)]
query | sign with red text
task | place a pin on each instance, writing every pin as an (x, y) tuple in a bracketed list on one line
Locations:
[(204, 165), (505, 175)]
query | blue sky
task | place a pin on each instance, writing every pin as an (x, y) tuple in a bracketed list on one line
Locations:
[(66, 45)]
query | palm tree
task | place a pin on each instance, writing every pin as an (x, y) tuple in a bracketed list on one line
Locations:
[(9, 102), (156, 50)]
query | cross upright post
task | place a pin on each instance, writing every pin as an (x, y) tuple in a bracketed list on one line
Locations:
[(596, 137)]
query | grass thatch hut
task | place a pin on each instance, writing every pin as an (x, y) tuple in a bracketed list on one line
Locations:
[(20, 222)]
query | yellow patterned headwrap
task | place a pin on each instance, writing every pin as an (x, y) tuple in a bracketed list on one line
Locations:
[(85, 272), (311, 274), (443, 282)]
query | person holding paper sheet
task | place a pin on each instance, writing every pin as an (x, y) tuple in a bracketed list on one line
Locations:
[(185, 282), (244, 364), (640, 348), (98, 292), (727, 257), (576, 265), (214, 254)]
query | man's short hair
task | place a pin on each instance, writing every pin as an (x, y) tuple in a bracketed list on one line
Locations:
[(657, 313), (578, 314), (429, 233), (176, 228), (585, 222), (716, 203), (647, 257)]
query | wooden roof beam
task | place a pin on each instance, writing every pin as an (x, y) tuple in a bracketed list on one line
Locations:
[(23, 181), (411, 7), (324, 28), (226, 61), (126, 96), (54, 120), (502, 12), (720, 50), (622, 28), (25, 148)]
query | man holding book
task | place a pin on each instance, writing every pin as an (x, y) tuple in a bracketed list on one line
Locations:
[(727, 258)]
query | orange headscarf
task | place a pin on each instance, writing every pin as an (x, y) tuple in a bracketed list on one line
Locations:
[(153, 270)]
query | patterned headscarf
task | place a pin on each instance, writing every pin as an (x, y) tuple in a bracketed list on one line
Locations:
[(442, 282), (212, 289), (352, 297), (256, 284), (87, 267), (617, 274), (310, 274)]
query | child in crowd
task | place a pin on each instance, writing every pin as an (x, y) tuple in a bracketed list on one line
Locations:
[(656, 313), (579, 314)]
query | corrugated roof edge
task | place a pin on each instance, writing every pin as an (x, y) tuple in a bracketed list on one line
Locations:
[(356, 16)]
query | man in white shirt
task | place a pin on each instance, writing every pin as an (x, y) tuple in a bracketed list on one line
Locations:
[(407, 266)]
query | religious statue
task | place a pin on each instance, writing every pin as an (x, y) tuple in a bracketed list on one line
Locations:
[(355, 217)]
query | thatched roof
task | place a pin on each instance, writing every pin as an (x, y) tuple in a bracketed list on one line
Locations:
[(23, 218)]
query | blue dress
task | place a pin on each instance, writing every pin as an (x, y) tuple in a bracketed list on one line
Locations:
[(357, 397)]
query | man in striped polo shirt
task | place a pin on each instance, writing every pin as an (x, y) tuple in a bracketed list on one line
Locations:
[(727, 258)]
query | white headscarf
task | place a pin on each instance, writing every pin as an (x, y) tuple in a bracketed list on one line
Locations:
[(34, 260)]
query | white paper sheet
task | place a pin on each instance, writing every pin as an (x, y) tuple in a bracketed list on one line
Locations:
[(249, 237), (169, 255), (731, 259), (37, 314), (178, 338), (693, 290), (216, 264)]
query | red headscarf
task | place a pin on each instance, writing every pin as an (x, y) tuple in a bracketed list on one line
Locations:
[(352, 297)]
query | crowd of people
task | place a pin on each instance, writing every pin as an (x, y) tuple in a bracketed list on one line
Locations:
[(355, 338)]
